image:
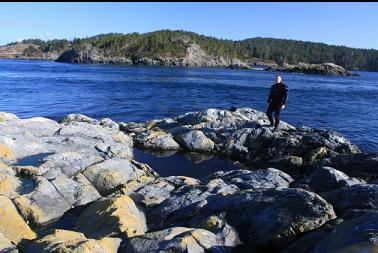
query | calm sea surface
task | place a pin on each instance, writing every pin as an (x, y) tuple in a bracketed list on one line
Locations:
[(348, 105)]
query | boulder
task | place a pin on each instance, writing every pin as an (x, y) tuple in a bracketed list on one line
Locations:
[(352, 236), (77, 118), (271, 218), (12, 226), (359, 196), (327, 179), (109, 174), (329, 69), (176, 239), (157, 140), (44, 205), (64, 241), (112, 216), (195, 141), (263, 178)]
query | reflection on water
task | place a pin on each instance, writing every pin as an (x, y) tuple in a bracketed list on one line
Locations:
[(182, 163)]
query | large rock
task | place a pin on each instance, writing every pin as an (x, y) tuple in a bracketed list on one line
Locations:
[(360, 165), (12, 226), (270, 219), (110, 174), (195, 141), (63, 241), (112, 216), (360, 196), (176, 239), (352, 236), (157, 140), (45, 204), (326, 179), (86, 192), (246, 179)]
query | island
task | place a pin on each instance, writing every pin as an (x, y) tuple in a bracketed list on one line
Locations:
[(188, 49), (310, 190)]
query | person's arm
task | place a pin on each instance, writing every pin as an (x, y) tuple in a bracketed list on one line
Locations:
[(270, 95), (285, 95)]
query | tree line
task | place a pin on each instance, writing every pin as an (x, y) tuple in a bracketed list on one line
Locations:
[(174, 43)]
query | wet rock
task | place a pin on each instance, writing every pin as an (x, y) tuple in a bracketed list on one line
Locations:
[(195, 141), (246, 179), (12, 226), (110, 174), (44, 205), (359, 196), (64, 241), (157, 140), (354, 235), (176, 239), (112, 216), (326, 179), (270, 219)]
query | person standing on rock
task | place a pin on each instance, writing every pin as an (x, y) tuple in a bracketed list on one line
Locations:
[(276, 101)]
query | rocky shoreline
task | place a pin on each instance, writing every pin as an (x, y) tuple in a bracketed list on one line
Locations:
[(311, 190), (328, 69)]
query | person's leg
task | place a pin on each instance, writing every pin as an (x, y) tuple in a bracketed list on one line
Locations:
[(269, 114), (277, 113)]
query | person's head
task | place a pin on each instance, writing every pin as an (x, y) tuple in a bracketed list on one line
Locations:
[(278, 79)]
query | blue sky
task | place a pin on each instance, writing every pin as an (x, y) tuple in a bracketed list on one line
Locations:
[(350, 24)]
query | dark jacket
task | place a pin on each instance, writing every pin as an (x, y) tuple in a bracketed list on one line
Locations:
[(278, 94)]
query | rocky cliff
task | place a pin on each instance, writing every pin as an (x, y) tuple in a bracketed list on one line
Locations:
[(194, 57), (310, 190)]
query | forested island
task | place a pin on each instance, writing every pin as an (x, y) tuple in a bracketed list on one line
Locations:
[(182, 48)]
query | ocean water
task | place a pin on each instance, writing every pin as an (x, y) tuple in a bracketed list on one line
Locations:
[(137, 93)]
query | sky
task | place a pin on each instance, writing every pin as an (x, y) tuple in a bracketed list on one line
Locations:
[(349, 24)]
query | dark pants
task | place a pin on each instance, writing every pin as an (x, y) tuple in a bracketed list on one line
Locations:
[(277, 111)]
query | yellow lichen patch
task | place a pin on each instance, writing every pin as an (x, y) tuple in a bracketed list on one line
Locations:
[(29, 211), (121, 137), (9, 185), (65, 241), (12, 226), (7, 153), (317, 153), (130, 222), (188, 180), (133, 185)]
